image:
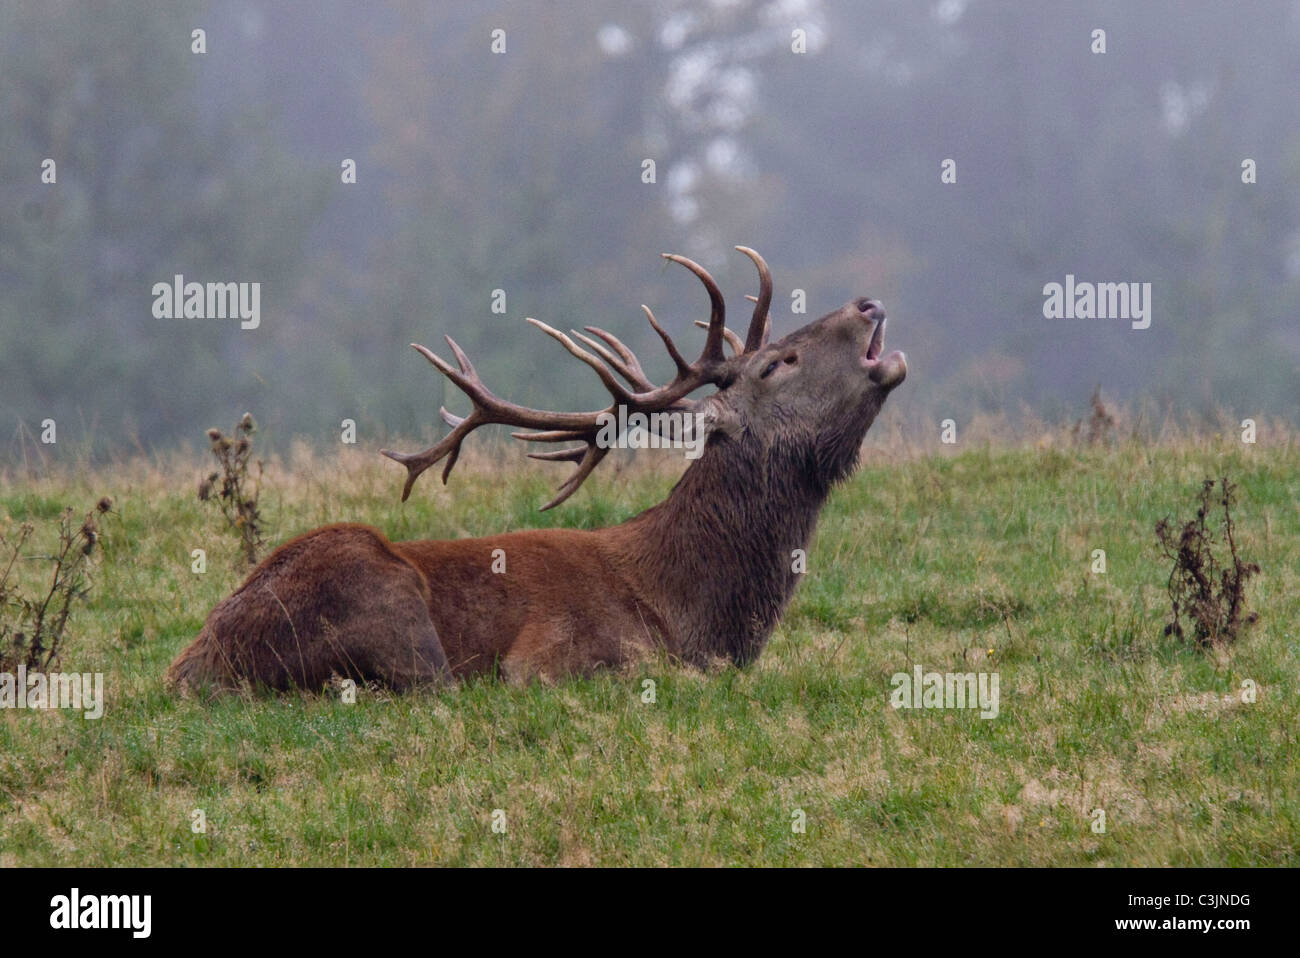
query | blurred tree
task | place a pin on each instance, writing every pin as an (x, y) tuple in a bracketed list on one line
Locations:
[(151, 182)]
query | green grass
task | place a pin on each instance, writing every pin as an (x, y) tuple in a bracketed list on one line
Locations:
[(975, 561)]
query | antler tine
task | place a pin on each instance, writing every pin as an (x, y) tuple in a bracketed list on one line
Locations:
[(759, 323), (552, 435), (737, 347), (625, 364), (613, 385), (617, 344), (462, 360), (590, 460), (575, 454), (718, 309), (683, 367), (417, 463)]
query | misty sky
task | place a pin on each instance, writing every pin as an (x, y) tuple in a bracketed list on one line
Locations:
[(950, 158)]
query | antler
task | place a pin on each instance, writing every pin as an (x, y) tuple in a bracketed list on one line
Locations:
[(608, 357), (760, 322)]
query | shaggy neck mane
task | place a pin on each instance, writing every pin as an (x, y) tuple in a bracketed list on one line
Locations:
[(719, 551)]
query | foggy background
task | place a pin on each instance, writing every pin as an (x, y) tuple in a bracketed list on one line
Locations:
[(522, 171)]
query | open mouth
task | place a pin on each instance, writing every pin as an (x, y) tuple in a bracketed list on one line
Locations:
[(877, 344), (885, 371)]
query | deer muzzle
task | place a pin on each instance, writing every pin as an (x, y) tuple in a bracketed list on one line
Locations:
[(892, 369)]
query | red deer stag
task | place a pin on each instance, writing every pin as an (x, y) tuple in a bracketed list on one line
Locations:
[(704, 574)]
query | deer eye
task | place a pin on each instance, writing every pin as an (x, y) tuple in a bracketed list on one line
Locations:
[(788, 360)]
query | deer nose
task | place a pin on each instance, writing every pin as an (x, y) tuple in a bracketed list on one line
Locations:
[(871, 309)]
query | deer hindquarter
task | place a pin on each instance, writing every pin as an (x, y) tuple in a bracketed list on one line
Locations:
[(337, 600)]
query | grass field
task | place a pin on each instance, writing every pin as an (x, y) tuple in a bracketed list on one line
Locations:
[(968, 560)]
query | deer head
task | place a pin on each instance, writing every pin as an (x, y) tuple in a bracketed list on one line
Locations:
[(808, 398)]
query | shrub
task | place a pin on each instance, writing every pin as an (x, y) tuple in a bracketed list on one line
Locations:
[(1207, 589), (237, 484), (33, 624)]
